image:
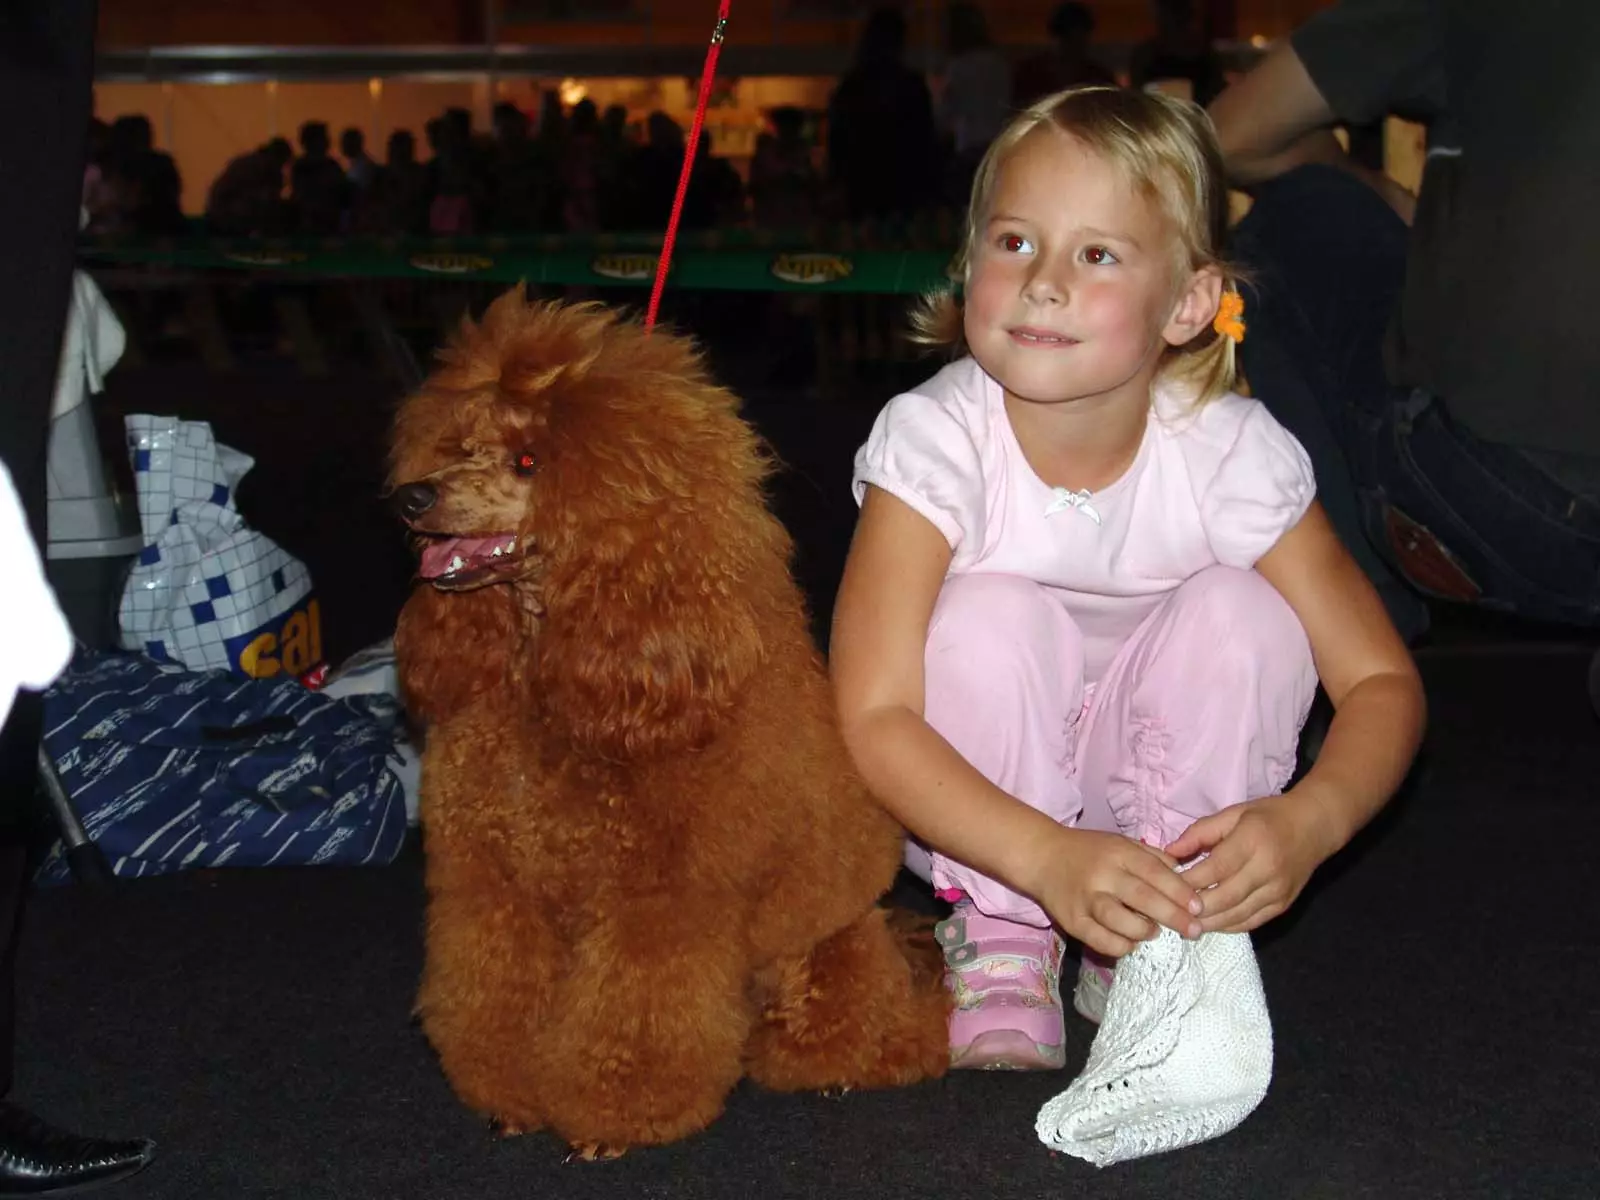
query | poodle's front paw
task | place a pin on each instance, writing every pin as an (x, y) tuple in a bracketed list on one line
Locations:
[(594, 1152)]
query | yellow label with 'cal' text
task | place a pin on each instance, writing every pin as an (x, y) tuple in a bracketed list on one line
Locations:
[(293, 649)]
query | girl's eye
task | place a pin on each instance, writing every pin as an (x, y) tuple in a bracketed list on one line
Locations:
[(1098, 256), (1014, 243), (525, 463)]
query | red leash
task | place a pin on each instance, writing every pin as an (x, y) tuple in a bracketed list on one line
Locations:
[(700, 107)]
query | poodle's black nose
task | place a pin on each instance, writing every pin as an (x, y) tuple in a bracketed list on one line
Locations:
[(411, 500)]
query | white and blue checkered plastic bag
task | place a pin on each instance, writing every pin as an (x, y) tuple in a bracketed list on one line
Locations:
[(207, 591)]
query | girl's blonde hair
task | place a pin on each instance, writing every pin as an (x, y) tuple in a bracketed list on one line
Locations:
[(1168, 151)]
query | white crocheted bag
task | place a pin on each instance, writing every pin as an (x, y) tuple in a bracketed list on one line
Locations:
[(1183, 1055)]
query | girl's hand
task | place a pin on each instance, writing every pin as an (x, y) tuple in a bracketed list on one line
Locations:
[(1111, 893), (1262, 853)]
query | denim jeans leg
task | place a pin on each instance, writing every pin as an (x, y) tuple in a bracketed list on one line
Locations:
[(1528, 541)]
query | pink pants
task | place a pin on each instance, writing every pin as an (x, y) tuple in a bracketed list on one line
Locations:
[(1201, 709)]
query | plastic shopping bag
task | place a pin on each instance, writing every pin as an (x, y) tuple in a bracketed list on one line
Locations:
[(207, 591)]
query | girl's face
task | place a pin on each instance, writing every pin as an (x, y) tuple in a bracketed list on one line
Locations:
[(1071, 292)]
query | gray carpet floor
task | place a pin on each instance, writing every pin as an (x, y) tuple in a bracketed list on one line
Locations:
[(1435, 999)]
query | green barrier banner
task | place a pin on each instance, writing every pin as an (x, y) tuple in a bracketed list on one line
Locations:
[(732, 262)]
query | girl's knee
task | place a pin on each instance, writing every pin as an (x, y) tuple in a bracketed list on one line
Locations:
[(982, 598), (1002, 654), (1209, 707), (1243, 614), (1000, 618)]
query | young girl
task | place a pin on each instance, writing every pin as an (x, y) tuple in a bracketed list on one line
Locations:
[(1091, 594)]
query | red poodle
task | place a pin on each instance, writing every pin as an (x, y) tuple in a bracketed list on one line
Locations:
[(651, 870)]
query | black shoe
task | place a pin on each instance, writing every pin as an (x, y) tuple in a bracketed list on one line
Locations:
[(40, 1160)]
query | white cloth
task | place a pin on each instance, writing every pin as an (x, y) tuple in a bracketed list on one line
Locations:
[(374, 671), (1184, 1053), (35, 640), (367, 672), (90, 346)]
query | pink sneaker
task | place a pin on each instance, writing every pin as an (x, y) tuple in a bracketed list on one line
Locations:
[(1007, 983), (1094, 985)]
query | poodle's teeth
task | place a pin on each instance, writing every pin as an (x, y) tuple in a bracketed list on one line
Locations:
[(495, 553), (511, 545), (456, 564)]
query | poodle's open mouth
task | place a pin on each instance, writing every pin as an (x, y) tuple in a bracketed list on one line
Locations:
[(459, 564)]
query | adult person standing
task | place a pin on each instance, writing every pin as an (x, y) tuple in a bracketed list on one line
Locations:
[(1434, 353), (46, 61), (1070, 61), (883, 152)]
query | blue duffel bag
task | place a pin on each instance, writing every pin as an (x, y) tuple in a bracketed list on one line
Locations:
[(172, 769)]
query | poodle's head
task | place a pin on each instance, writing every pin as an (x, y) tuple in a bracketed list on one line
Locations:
[(589, 512)]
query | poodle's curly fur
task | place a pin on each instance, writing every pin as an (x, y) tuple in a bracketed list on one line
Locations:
[(651, 869)]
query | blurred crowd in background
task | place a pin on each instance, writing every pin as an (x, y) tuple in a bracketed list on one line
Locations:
[(893, 142)]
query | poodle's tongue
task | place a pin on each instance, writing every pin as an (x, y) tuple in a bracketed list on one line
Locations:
[(447, 556)]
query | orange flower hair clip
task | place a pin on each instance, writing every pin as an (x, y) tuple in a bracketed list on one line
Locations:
[(1229, 321)]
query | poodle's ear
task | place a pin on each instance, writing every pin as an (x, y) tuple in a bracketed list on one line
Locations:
[(451, 648), (649, 656)]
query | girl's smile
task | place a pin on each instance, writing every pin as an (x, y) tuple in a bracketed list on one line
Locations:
[(1033, 336)]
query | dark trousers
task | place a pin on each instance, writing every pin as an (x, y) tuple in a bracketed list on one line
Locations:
[(46, 74), (1421, 501)]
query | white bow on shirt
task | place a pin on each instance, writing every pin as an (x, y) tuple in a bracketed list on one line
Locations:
[(1064, 498)]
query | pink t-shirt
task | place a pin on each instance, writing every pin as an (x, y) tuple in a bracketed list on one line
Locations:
[(1217, 484)]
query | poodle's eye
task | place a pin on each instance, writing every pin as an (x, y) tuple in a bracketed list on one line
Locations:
[(525, 463)]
